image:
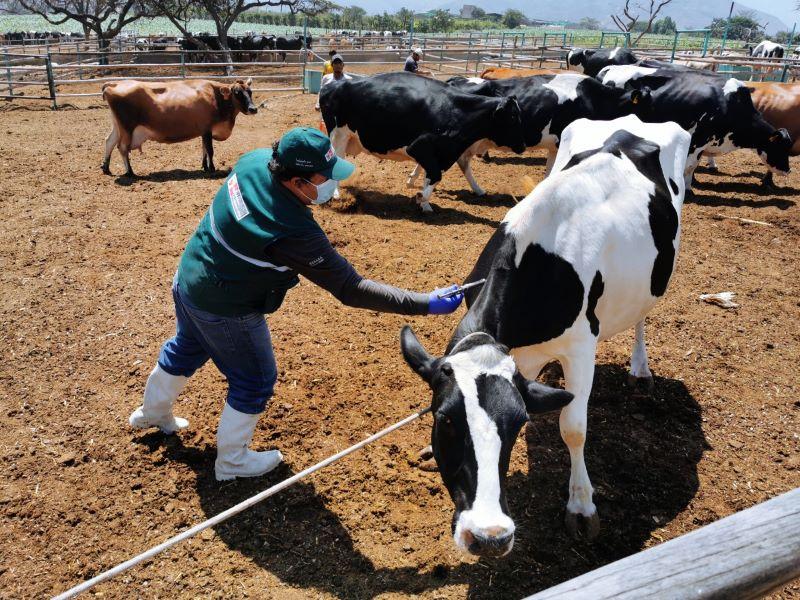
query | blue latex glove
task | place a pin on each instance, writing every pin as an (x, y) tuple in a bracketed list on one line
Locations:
[(443, 306)]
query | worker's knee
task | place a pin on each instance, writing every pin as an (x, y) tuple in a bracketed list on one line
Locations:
[(251, 396)]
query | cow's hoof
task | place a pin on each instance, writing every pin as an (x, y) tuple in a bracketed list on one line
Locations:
[(426, 453), (106, 170), (130, 174), (579, 526), (426, 207), (428, 465), (641, 382), (479, 192)]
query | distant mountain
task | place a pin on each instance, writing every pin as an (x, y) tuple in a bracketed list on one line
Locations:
[(688, 14)]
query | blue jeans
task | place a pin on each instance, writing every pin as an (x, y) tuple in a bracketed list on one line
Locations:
[(240, 347)]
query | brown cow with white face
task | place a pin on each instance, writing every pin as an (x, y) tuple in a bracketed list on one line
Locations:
[(171, 112)]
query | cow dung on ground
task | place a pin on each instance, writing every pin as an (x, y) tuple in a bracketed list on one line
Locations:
[(87, 264)]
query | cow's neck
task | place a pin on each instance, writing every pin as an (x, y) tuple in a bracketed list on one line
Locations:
[(485, 315)]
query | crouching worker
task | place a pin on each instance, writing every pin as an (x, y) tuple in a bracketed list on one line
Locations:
[(248, 250)]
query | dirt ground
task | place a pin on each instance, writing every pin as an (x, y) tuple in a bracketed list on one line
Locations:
[(85, 303)]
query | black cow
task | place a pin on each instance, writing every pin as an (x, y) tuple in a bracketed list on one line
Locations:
[(548, 103), (283, 43), (718, 111), (590, 62), (255, 44), (401, 116), (583, 257)]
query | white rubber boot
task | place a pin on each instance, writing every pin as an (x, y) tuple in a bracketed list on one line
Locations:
[(234, 458), (160, 393)]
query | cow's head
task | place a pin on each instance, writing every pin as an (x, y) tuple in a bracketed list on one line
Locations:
[(507, 125), (577, 58), (480, 403), (242, 96), (751, 130)]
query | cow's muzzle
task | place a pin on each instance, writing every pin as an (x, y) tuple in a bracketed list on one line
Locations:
[(490, 546), (251, 110)]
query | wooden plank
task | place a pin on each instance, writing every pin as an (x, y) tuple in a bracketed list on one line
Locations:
[(742, 556)]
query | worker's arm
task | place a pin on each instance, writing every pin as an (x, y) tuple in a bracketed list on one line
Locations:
[(315, 258)]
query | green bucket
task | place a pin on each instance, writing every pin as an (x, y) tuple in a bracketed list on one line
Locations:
[(313, 81)]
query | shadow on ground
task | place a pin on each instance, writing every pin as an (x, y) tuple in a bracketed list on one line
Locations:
[(171, 175), (642, 454)]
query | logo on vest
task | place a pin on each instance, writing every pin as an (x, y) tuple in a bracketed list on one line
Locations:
[(237, 201), (329, 154)]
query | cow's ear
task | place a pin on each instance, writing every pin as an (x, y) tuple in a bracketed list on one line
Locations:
[(588, 53), (415, 354), (540, 398), (249, 82), (225, 90)]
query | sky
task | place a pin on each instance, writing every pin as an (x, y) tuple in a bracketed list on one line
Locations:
[(783, 9)]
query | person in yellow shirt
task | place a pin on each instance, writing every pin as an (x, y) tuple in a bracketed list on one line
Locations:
[(327, 67)]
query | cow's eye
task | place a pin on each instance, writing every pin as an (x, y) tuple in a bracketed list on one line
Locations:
[(447, 369)]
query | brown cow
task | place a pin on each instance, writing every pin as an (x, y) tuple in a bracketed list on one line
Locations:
[(171, 112), (506, 73)]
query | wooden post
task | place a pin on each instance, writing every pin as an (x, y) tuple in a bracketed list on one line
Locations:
[(469, 52), (51, 84), (8, 73), (183, 64), (743, 556), (78, 54)]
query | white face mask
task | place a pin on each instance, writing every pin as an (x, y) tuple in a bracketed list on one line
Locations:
[(325, 191)]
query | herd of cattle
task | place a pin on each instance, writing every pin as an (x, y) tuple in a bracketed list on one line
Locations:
[(586, 255), (17, 38)]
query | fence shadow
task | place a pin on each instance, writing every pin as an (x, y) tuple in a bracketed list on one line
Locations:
[(736, 202), (744, 187), (403, 207)]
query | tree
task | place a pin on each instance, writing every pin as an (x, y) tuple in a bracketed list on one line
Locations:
[(478, 13), (352, 16), (224, 14), (742, 27), (513, 18), (405, 17), (440, 21), (631, 15), (665, 25), (104, 18), (588, 23)]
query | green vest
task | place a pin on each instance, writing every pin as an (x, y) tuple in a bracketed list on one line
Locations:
[(223, 269)]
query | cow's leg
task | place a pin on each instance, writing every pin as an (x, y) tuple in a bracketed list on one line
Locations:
[(423, 198), (412, 178), (639, 369), (711, 163), (208, 152), (465, 163), (111, 142), (551, 159), (578, 376), (124, 147), (767, 182)]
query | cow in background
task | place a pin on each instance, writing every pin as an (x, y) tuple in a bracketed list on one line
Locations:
[(400, 116), (590, 62), (171, 112), (583, 257)]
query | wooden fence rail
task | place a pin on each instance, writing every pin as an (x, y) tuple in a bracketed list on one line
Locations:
[(743, 556)]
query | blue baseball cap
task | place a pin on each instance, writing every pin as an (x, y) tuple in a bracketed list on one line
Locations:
[(309, 150)]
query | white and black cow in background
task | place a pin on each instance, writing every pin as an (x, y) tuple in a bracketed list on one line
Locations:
[(548, 103), (590, 62), (584, 256), (766, 49), (718, 112), (401, 116)]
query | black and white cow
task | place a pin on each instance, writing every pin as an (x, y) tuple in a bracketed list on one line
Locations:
[(767, 49), (590, 62), (718, 112), (548, 103), (583, 257), (401, 116)]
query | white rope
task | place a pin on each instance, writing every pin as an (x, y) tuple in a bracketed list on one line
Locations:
[(72, 592)]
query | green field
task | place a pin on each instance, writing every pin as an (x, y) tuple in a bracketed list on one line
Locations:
[(574, 37)]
